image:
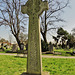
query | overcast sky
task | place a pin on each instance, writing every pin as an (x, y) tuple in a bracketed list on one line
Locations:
[(68, 15)]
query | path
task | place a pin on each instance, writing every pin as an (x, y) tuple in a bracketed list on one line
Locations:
[(44, 56), (47, 56)]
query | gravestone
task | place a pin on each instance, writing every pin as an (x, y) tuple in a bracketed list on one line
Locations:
[(34, 9), (51, 47), (14, 48), (22, 46)]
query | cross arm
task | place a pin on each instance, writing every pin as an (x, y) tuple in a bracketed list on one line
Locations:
[(43, 6)]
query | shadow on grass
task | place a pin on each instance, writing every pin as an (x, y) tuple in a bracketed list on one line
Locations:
[(20, 56), (24, 73), (28, 74)]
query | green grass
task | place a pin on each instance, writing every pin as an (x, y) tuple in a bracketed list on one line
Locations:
[(5, 50), (59, 66), (11, 65), (64, 52)]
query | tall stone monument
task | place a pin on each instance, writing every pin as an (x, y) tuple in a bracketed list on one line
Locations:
[(34, 9)]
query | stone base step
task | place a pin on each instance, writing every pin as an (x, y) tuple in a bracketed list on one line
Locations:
[(43, 73)]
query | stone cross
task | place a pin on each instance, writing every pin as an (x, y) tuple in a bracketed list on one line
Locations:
[(34, 9)]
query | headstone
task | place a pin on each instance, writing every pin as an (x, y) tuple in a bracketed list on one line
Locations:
[(22, 46), (50, 47), (34, 9), (14, 48)]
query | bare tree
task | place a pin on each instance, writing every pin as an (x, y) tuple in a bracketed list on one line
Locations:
[(23, 37), (11, 16), (50, 17), (15, 20), (73, 31)]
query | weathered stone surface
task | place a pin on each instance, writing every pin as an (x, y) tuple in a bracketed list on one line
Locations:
[(22, 46), (51, 47), (14, 48), (34, 9)]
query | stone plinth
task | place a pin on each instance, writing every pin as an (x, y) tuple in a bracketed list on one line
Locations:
[(43, 73)]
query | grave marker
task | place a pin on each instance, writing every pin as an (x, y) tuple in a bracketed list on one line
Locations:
[(14, 48), (34, 9)]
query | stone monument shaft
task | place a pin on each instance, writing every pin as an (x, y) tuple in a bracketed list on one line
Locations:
[(34, 9)]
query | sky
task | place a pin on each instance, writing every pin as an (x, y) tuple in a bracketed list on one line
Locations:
[(68, 15)]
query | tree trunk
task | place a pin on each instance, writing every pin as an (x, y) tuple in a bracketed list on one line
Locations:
[(18, 41), (44, 37), (45, 31)]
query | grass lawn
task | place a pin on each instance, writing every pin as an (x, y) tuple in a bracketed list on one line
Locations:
[(11, 65), (61, 52), (5, 51)]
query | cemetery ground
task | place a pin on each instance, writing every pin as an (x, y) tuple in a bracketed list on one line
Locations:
[(57, 52), (13, 65), (60, 52)]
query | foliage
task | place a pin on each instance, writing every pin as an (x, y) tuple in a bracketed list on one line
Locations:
[(71, 41), (61, 31), (73, 31), (56, 40), (65, 38)]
